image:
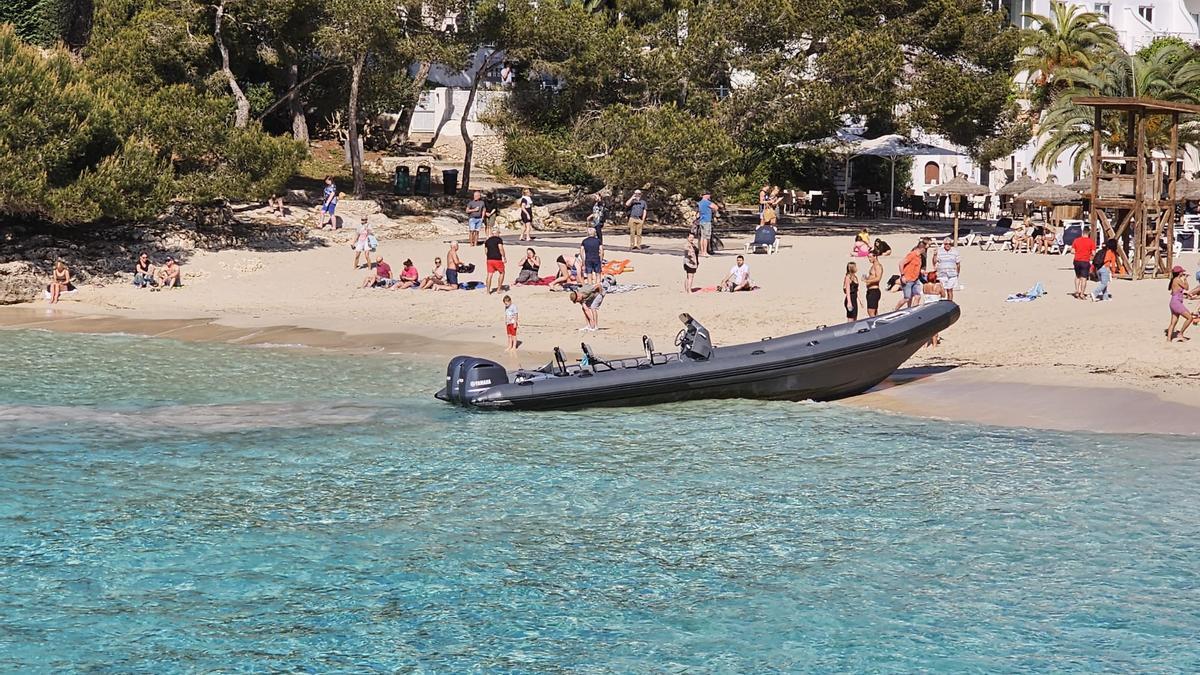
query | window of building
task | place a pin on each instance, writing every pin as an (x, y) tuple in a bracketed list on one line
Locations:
[(1196, 21), (1147, 13), (1104, 9), (933, 173), (1017, 11)]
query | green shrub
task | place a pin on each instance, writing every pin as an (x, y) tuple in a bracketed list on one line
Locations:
[(545, 156)]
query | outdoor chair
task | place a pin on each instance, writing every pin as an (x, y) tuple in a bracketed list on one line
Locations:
[(1001, 242), (766, 240)]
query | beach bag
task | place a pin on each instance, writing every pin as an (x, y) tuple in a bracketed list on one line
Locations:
[(372, 242), (768, 214), (465, 268), (1098, 259)]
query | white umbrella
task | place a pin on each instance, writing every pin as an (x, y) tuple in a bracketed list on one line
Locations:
[(890, 146)]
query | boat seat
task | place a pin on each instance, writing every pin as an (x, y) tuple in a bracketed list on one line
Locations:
[(592, 361), (651, 355), (560, 362)]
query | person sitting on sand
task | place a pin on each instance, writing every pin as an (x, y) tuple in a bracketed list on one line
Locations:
[(589, 297), (409, 276), (143, 272), (380, 276), (564, 276), (529, 268), (60, 281), (738, 278), (437, 278), (1178, 285), (862, 244), (168, 276)]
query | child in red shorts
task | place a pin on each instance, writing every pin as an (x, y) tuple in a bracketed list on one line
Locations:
[(510, 323)]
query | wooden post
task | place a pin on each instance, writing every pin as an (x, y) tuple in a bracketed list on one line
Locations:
[(1172, 205), (954, 199), (1139, 196), (1093, 208)]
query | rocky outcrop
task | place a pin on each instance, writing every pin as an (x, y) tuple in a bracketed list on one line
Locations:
[(20, 282)]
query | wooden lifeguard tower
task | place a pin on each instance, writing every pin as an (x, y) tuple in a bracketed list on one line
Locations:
[(1145, 214)]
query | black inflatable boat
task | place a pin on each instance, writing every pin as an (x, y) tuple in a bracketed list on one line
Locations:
[(822, 364)]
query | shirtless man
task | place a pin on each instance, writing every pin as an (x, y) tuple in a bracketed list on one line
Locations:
[(452, 263), (873, 278)]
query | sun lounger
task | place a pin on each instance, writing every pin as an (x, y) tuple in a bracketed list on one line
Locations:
[(766, 240), (998, 242)]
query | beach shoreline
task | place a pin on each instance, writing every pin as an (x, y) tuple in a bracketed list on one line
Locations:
[(1003, 397)]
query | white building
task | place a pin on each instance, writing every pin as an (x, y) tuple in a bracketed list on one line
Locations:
[(1137, 23)]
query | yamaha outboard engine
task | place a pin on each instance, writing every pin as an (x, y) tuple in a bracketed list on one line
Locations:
[(477, 376), (693, 340), (453, 377)]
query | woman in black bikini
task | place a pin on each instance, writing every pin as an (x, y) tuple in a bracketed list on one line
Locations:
[(61, 281), (850, 290)]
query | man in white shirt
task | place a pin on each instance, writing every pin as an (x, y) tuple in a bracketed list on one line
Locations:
[(738, 278), (948, 265)]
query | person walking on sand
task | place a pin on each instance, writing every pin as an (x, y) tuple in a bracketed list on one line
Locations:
[(691, 262), (591, 249), (589, 297), (637, 218), (510, 323), (1084, 247), (705, 209), (1104, 274), (476, 212), (60, 281), (328, 205), (362, 242), (910, 276), (496, 257), (1178, 285), (597, 217), (850, 291), (738, 278), (526, 215), (872, 278), (948, 264)]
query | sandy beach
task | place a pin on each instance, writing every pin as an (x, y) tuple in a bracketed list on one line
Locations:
[(1056, 363)]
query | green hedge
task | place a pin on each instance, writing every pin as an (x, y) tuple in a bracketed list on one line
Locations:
[(545, 156)]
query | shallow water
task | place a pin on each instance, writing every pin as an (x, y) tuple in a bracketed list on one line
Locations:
[(176, 507)]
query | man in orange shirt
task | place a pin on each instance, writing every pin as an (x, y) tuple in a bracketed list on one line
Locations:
[(910, 276)]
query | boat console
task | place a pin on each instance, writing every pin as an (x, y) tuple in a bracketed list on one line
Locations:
[(693, 340)]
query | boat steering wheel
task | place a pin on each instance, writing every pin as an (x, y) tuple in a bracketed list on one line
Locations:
[(680, 336)]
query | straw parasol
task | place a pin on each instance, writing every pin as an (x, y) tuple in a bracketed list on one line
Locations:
[(1083, 185), (1050, 193), (959, 186), (1020, 184)]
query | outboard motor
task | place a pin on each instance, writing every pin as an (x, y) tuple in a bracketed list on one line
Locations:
[(453, 377), (477, 376), (694, 342)]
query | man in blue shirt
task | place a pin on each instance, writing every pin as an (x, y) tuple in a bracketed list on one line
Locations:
[(707, 209)]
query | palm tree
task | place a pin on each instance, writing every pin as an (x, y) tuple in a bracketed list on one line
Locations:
[(1067, 39), (1170, 74)]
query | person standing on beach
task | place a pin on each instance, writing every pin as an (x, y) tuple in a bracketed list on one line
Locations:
[(476, 212), (591, 249), (763, 196), (494, 249), (691, 262), (850, 291), (328, 205), (362, 242), (526, 215), (770, 208), (910, 276), (706, 210), (637, 218), (597, 217), (1108, 267), (510, 323), (948, 264), (1084, 247), (1178, 285), (872, 279), (452, 264)]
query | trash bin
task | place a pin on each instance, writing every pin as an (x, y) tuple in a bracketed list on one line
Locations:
[(403, 183), (449, 181), (424, 180)]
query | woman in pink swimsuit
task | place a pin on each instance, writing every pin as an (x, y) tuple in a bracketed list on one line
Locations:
[(1179, 290)]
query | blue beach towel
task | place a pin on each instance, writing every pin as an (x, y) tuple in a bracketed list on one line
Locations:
[(1028, 296)]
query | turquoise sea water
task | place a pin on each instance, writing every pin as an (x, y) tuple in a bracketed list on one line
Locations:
[(174, 507)]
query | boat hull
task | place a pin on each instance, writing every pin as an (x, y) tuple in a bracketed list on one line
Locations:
[(824, 364)]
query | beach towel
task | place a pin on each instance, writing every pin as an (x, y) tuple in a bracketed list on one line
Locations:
[(471, 285), (713, 289), (1028, 296), (616, 267), (626, 288), (544, 281)]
